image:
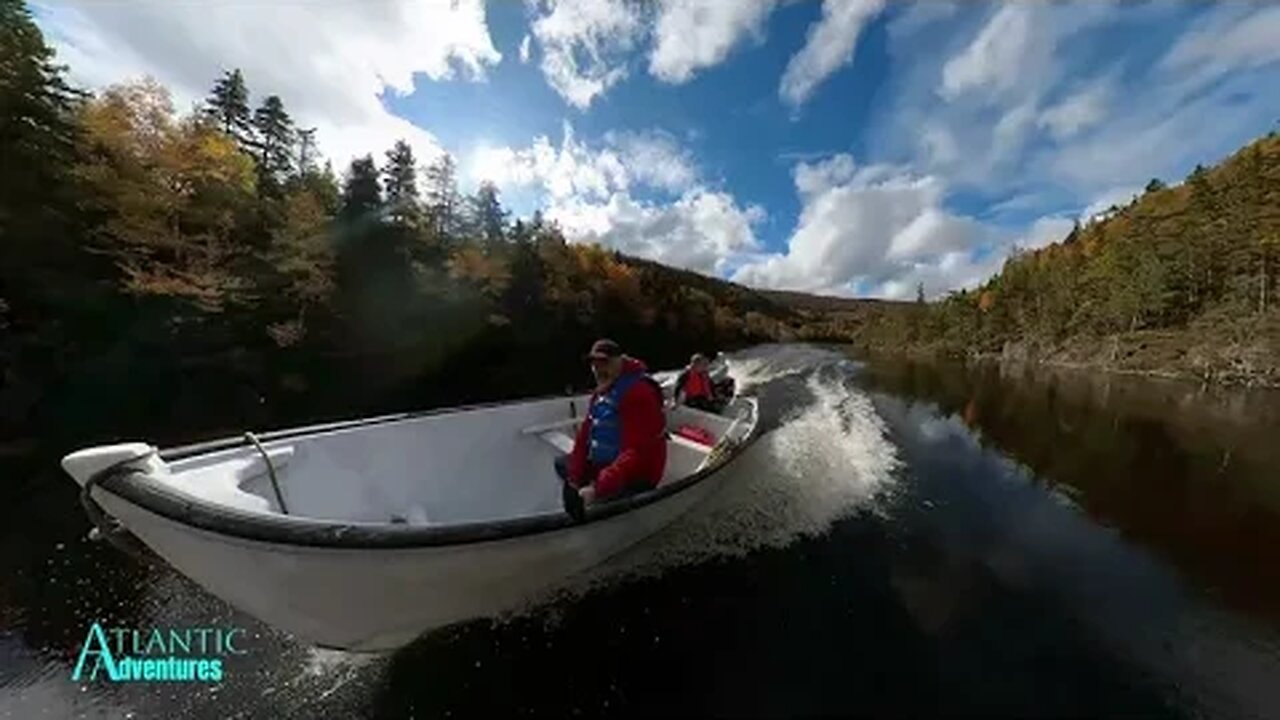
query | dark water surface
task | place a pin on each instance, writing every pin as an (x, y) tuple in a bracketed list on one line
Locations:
[(905, 540)]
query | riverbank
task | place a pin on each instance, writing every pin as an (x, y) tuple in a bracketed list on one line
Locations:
[(1223, 352)]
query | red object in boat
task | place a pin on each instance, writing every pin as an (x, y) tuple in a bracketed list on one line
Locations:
[(696, 434)]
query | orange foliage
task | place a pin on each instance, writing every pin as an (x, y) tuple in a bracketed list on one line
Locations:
[(986, 300), (174, 189), (470, 263)]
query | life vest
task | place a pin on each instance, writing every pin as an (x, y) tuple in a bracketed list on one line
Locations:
[(697, 385), (606, 421)]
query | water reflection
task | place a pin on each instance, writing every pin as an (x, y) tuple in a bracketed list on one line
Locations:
[(1191, 473)]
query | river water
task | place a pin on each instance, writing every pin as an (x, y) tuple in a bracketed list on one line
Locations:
[(913, 540)]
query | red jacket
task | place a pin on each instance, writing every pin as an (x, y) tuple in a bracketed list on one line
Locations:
[(697, 384), (643, 455)]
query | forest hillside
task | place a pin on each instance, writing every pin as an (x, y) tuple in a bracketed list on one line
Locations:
[(1182, 281), (170, 275)]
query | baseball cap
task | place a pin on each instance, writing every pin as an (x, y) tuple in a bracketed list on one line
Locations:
[(604, 349)]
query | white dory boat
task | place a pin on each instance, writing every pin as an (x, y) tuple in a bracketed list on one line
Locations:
[(362, 535)]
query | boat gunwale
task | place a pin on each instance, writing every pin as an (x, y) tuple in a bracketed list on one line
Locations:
[(126, 482)]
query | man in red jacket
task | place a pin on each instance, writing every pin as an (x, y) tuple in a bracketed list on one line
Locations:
[(694, 387), (621, 446)]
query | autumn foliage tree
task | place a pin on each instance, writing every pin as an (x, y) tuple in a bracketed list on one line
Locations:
[(169, 192)]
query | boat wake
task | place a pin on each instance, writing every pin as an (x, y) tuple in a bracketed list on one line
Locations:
[(759, 366), (826, 457), (826, 460)]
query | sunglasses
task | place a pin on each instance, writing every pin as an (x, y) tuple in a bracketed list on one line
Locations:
[(599, 361)]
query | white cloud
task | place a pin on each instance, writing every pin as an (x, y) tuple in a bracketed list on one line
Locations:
[(954, 270), (883, 231), (1077, 112), (525, 48), (704, 230), (1011, 134), (584, 45), (330, 66), (1166, 134), (654, 159), (876, 226), (624, 161), (939, 145), (696, 34), (999, 56), (1015, 56), (1237, 39), (993, 78), (1207, 95), (1045, 231), (591, 191), (816, 178), (1031, 103), (829, 46), (919, 15), (965, 269), (1119, 197)]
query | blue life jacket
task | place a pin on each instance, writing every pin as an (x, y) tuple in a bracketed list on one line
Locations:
[(606, 421)]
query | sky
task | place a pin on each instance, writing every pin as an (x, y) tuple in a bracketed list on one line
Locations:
[(844, 147)]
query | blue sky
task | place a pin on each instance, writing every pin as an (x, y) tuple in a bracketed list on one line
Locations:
[(855, 147)]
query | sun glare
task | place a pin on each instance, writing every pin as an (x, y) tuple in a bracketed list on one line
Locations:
[(488, 163)]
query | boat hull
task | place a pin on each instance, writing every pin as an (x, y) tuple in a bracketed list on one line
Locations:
[(376, 599)]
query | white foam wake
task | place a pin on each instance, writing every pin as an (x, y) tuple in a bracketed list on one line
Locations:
[(829, 460), (754, 368), (826, 461)]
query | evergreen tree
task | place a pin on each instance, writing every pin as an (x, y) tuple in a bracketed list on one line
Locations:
[(322, 185), (1074, 235), (37, 130), (275, 144), (442, 201), (1205, 254), (488, 219), (361, 193), (306, 161), (45, 272), (401, 182), (1256, 217), (228, 106)]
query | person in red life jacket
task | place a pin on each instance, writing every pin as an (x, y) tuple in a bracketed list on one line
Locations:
[(694, 387), (621, 445)]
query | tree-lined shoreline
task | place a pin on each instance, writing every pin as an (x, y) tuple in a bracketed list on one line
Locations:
[(1182, 282)]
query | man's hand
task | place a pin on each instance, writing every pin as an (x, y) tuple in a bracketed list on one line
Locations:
[(573, 503), (588, 494)]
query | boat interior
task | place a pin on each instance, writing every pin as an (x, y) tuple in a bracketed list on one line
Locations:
[(472, 465)]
